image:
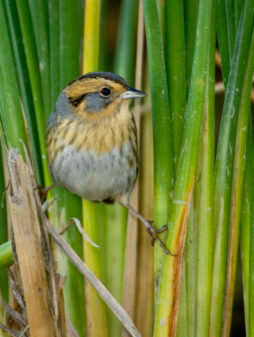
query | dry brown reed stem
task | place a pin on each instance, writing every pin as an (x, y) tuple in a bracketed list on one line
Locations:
[(49, 319), (131, 252), (26, 230), (144, 299)]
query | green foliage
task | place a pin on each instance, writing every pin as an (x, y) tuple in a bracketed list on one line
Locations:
[(203, 153)]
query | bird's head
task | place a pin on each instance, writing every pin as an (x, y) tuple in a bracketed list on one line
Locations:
[(96, 94)]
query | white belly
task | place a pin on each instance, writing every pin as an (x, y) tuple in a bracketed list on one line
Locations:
[(96, 177)]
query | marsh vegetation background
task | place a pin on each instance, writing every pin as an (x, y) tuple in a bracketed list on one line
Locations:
[(195, 60)]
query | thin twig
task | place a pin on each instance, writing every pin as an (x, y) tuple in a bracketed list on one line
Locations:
[(82, 232), (24, 331), (91, 278), (11, 332), (14, 314), (16, 287), (48, 203)]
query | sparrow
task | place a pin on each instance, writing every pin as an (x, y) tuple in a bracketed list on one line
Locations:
[(91, 141)]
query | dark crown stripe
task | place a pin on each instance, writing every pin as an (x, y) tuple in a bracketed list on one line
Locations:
[(102, 74)]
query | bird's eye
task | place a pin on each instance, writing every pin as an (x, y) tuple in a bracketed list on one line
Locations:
[(105, 92)]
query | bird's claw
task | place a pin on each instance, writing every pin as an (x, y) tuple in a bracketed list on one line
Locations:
[(162, 229), (43, 191), (154, 235)]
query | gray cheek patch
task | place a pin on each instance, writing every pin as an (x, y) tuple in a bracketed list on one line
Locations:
[(95, 102), (63, 109), (63, 105)]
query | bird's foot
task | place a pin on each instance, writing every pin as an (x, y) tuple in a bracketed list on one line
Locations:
[(149, 227), (43, 191), (153, 232)]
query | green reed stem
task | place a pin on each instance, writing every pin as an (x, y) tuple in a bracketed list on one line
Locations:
[(182, 326), (54, 47), (191, 270), (237, 186), (115, 232), (245, 226), (126, 41), (183, 16), (11, 109), (96, 309), (224, 164), (24, 85), (190, 27), (40, 23), (33, 65), (222, 34), (163, 146), (168, 297), (238, 5), (204, 204), (124, 66), (144, 291), (175, 65), (249, 294), (230, 22), (69, 205)]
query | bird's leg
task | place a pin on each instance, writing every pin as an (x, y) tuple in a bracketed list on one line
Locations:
[(43, 192), (149, 227)]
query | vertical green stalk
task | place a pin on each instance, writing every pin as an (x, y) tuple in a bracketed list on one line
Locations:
[(175, 66), (163, 147), (205, 190), (54, 47), (222, 34), (224, 163), (190, 26), (237, 186), (40, 23), (95, 308), (24, 85), (91, 35), (97, 324), (11, 109), (125, 66), (70, 30), (161, 13), (144, 293), (179, 48), (230, 21), (169, 289), (125, 52), (182, 326), (33, 65), (191, 269), (238, 10), (69, 205), (115, 232), (245, 226), (250, 292)]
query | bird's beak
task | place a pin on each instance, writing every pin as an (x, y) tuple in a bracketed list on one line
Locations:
[(132, 93)]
